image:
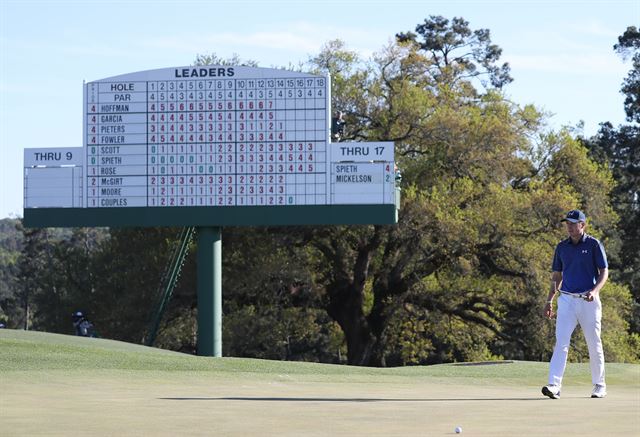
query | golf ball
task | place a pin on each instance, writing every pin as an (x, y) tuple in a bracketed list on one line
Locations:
[(458, 429)]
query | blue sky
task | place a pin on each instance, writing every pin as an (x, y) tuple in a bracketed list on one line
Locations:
[(560, 53)]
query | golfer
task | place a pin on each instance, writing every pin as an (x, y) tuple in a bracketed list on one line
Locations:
[(579, 273)]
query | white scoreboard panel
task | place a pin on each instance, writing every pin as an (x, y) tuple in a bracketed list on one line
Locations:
[(53, 178), (362, 173), (207, 136)]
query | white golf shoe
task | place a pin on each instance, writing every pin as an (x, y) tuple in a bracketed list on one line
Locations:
[(553, 391), (599, 391)]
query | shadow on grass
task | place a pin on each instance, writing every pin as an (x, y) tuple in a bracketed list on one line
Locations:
[(291, 399)]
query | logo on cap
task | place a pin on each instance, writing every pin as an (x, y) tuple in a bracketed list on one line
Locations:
[(575, 216)]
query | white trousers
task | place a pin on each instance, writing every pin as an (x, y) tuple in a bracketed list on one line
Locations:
[(572, 311)]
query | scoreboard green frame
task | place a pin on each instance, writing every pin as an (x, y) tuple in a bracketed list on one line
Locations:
[(213, 216)]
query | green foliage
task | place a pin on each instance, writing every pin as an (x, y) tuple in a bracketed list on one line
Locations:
[(347, 81), (214, 59), (179, 330), (619, 150), (620, 344), (571, 167), (40, 280), (444, 320), (407, 341), (457, 52), (484, 188), (272, 307), (10, 247), (131, 265), (629, 45), (281, 333), (69, 279)]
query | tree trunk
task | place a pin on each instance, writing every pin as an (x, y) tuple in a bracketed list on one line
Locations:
[(26, 313), (345, 307), (346, 293)]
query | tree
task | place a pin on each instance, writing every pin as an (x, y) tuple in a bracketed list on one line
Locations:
[(111, 275), (55, 272), (70, 277), (214, 59), (393, 101), (483, 187), (458, 53), (129, 266), (35, 276), (629, 45), (273, 307), (10, 248), (619, 149)]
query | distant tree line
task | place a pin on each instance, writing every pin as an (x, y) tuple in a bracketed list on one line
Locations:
[(462, 277)]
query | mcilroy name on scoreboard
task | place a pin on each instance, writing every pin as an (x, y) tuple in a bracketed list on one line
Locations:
[(213, 136)]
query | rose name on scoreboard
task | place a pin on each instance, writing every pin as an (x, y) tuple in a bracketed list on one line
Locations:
[(211, 136)]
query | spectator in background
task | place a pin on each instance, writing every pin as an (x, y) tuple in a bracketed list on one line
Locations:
[(82, 325)]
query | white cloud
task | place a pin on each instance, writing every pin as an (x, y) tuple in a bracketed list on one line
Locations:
[(570, 63), (294, 40), (595, 28)]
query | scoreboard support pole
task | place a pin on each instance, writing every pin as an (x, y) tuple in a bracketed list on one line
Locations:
[(210, 291)]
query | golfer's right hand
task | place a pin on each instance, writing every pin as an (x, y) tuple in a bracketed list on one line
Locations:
[(548, 311)]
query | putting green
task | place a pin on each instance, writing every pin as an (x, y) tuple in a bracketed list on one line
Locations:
[(98, 387)]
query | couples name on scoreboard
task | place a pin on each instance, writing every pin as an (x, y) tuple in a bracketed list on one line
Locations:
[(209, 137)]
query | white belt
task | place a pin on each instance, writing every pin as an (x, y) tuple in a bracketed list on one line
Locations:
[(575, 295)]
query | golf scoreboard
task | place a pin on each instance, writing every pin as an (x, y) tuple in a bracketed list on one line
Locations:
[(209, 145)]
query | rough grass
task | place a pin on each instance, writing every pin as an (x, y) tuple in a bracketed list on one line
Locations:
[(37, 351)]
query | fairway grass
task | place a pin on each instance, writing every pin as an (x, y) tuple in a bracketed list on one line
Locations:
[(58, 385)]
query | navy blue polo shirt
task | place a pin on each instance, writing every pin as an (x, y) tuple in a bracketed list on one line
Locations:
[(579, 263)]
